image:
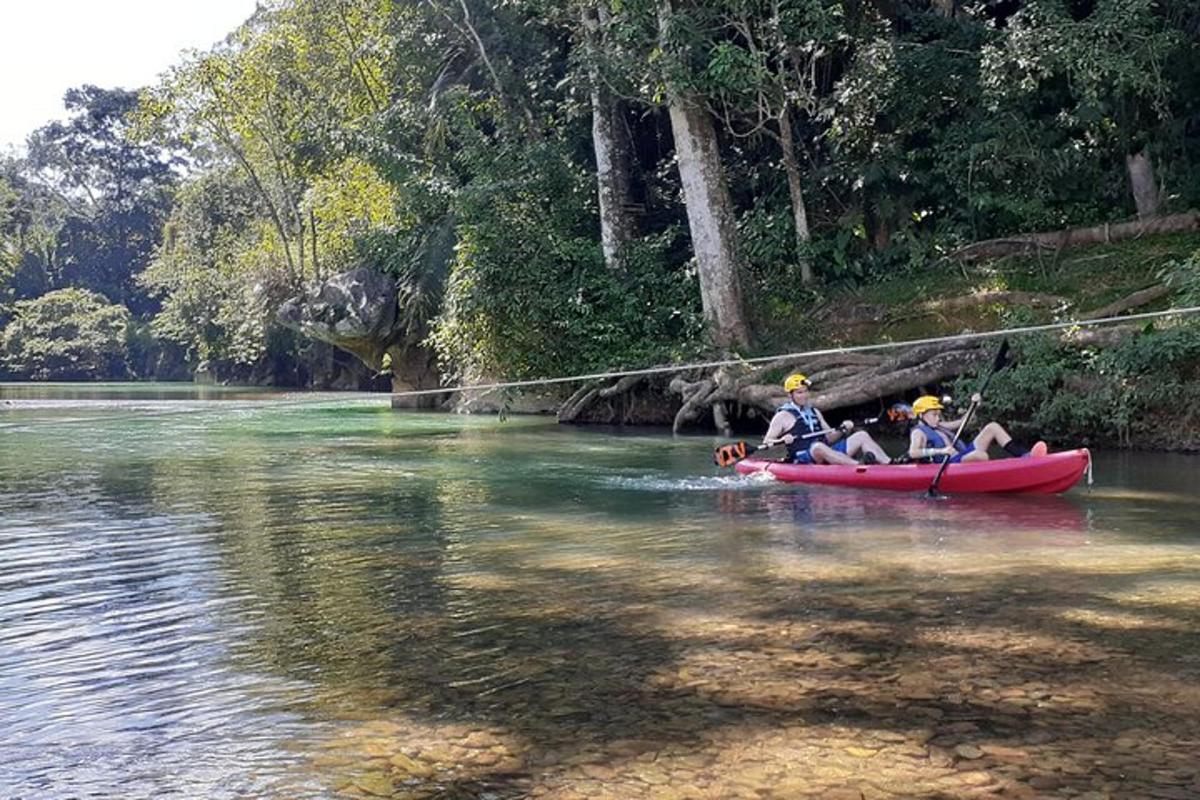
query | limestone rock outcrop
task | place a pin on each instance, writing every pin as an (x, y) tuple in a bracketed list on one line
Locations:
[(356, 311)]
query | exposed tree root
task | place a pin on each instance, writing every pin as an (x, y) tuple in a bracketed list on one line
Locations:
[(1055, 241), (993, 297), (840, 380), (574, 405), (1136, 300)]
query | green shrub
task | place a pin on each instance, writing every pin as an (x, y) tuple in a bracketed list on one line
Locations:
[(69, 334), (1125, 395), (528, 294)]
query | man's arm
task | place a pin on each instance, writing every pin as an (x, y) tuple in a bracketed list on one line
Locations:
[(775, 431), (916, 444), (837, 434)]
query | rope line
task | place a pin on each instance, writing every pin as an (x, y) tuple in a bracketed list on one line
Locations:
[(964, 337)]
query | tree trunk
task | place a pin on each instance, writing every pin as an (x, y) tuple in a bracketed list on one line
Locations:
[(610, 140), (944, 8), (711, 221), (709, 210), (878, 227), (796, 189), (1141, 180)]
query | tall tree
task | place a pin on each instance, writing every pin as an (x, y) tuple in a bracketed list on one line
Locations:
[(610, 141), (109, 192), (768, 65), (710, 211)]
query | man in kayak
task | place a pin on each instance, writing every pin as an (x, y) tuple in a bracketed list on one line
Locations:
[(931, 436), (810, 439)]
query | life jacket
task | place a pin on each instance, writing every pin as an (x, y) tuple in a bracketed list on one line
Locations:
[(935, 438), (806, 422)]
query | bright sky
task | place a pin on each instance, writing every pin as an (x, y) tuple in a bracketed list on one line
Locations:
[(50, 46)]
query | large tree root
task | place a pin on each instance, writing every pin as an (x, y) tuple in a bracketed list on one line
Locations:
[(1055, 241), (840, 380), (1129, 302), (628, 400)]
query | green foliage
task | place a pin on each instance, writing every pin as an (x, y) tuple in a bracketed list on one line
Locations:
[(10, 248), (211, 276), (966, 130), (448, 144), (1116, 395), (528, 294), (1184, 276), (1110, 63), (94, 199), (68, 334)]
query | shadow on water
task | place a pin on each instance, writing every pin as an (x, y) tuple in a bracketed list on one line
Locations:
[(488, 666), (488, 616)]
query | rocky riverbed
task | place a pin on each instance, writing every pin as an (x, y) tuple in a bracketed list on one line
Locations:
[(998, 686)]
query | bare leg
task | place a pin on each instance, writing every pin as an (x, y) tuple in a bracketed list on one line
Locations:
[(992, 433), (824, 454), (860, 441)]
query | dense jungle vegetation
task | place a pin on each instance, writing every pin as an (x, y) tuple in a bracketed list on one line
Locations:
[(563, 186)]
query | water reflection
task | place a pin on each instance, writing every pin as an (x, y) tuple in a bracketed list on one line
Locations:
[(283, 601), (947, 515)]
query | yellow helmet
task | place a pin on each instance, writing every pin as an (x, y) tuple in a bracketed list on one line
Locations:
[(926, 403), (793, 382)]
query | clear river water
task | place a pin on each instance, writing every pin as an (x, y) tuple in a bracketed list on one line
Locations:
[(213, 593)]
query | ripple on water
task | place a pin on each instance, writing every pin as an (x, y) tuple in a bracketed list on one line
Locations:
[(659, 483), (114, 661)]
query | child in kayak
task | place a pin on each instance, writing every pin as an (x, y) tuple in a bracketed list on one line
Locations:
[(810, 439), (931, 436)]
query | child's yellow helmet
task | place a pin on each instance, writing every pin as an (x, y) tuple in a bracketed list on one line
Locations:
[(926, 403)]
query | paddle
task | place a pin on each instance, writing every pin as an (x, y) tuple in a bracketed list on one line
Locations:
[(997, 365), (729, 454)]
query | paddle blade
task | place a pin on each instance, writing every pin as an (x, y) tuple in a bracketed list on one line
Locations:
[(729, 454), (1001, 357)]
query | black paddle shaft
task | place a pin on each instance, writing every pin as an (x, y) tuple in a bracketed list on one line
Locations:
[(728, 454), (997, 365)]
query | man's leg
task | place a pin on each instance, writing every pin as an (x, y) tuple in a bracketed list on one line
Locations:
[(860, 441), (824, 454), (992, 433)]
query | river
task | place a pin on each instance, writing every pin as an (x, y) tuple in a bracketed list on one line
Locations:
[(235, 594)]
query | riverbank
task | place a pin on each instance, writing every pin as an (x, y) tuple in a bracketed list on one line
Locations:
[(1133, 385)]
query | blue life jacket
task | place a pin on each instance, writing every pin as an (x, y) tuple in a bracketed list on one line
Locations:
[(936, 437), (806, 422)]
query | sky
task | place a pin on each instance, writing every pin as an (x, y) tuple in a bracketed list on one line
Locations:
[(50, 46)]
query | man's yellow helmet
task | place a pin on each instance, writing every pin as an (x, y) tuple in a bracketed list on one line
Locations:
[(926, 403), (793, 382)]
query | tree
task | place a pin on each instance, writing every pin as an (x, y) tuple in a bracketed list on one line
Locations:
[(10, 247), (68, 334), (1109, 61), (767, 65), (105, 195), (710, 210), (281, 119), (205, 273), (610, 141)]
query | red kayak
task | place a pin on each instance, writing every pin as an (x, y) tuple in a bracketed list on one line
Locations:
[(1048, 474)]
